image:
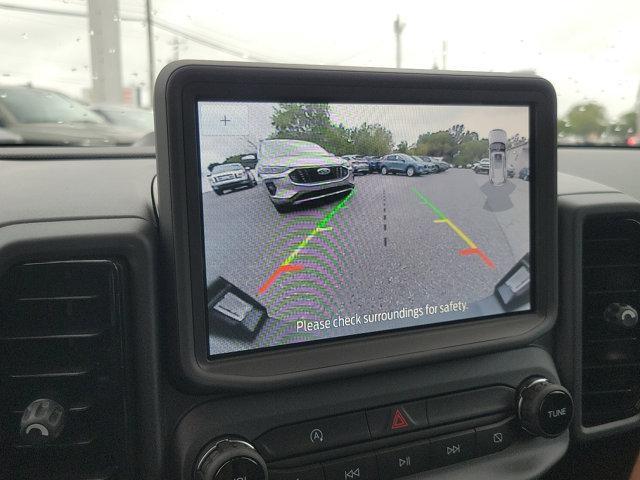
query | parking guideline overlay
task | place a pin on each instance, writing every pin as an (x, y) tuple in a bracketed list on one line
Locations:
[(442, 218), (288, 265)]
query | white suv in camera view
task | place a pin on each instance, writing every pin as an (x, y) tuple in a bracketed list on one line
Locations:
[(230, 176), (295, 172)]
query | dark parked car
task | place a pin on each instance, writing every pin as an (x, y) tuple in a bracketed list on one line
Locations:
[(402, 163), (524, 174), (43, 117), (230, 176), (374, 163), (250, 160)]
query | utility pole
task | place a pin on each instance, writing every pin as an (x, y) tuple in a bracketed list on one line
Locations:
[(176, 45), (444, 55), (398, 27), (637, 125), (106, 63), (152, 58)]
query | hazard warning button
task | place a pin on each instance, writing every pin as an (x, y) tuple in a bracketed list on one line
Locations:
[(397, 419)]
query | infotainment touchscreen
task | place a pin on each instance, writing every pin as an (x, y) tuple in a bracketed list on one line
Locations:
[(322, 221)]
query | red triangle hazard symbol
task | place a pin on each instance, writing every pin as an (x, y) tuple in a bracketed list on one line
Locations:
[(399, 421)]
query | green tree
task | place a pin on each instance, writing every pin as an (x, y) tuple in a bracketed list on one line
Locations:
[(234, 158), (625, 125), (438, 144), (294, 119), (371, 139), (403, 147), (516, 141), (586, 121), (336, 139), (312, 123), (472, 151)]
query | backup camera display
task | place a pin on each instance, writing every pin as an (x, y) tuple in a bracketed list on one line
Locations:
[(331, 220)]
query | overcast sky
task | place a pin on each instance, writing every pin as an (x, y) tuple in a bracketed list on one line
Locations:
[(588, 49)]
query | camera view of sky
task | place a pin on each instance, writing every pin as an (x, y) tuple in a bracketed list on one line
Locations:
[(231, 128)]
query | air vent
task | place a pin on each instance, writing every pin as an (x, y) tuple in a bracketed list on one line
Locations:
[(611, 350), (61, 338)]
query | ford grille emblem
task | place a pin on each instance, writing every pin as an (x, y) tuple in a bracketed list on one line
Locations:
[(324, 171)]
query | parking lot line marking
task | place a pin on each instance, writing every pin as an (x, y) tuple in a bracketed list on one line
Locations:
[(321, 226), (473, 248)]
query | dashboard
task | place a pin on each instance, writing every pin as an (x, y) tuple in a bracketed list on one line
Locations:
[(89, 352)]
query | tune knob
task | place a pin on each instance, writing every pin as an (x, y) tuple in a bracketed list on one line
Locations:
[(42, 421), (544, 409), (230, 459)]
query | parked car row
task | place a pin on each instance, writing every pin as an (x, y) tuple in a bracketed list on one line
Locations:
[(392, 163), (482, 167), (295, 172), (44, 117)]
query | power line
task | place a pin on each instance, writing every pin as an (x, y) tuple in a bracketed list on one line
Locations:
[(160, 24), (46, 11)]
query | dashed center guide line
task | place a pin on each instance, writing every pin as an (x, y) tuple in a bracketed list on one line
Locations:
[(442, 218), (288, 265)]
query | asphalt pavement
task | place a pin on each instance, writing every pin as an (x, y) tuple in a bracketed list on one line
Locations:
[(396, 244)]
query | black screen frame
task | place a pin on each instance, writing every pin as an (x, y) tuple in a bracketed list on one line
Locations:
[(183, 84)]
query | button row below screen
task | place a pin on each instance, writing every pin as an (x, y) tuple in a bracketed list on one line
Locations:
[(396, 462), (333, 432)]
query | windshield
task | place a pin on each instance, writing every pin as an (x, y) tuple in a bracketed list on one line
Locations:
[(290, 148), (65, 54), (135, 119), (27, 105), (226, 168)]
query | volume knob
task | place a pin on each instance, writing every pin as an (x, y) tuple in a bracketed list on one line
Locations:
[(230, 459)]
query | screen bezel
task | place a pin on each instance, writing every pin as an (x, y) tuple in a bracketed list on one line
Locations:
[(181, 86)]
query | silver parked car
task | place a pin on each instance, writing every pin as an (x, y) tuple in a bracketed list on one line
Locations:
[(295, 172), (358, 163), (230, 176), (483, 166)]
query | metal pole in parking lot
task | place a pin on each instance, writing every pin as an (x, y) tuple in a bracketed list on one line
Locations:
[(398, 27), (152, 60), (106, 52)]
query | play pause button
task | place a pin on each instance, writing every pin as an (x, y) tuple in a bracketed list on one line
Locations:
[(403, 461)]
